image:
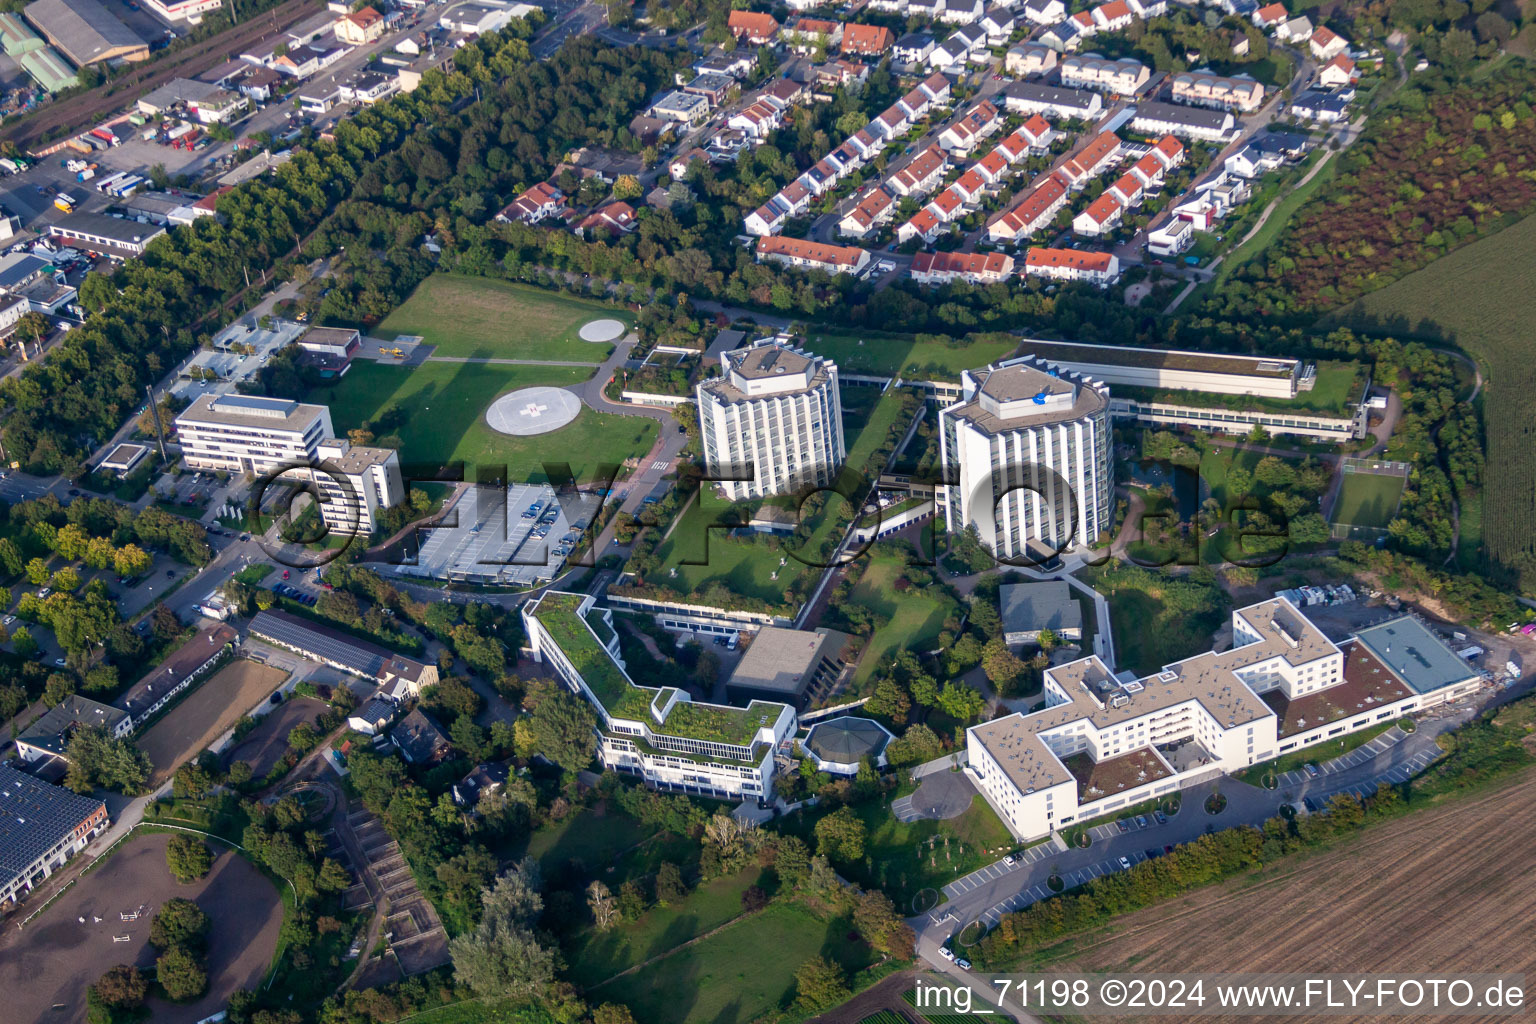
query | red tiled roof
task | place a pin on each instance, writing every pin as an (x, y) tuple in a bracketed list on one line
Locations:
[(1103, 208), (753, 24), (961, 263), (1076, 258), (1273, 12), (1116, 9), (871, 39), (816, 252)]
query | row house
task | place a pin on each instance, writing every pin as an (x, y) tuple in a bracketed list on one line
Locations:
[(1127, 190), (921, 175), (1028, 59), (975, 268), (1100, 268), (806, 34), (1147, 9), (1339, 73), (1100, 217), (790, 201), (1204, 89), (1033, 213), (912, 49), (1101, 151), (1123, 77), (870, 214), (925, 226), (1071, 104), (962, 12), (808, 255), (1154, 118), (757, 120), (964, 45), (961, 137), (1083, 24)]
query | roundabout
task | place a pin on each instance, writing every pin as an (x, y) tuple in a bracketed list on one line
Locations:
[(602, 331), (530, 411)]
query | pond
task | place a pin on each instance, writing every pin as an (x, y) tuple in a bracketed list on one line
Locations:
[(1189, 489)]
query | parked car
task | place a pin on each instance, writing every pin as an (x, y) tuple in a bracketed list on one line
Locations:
[(1123, 825), (1162, 819), (1313, 771), (963, 964), (946, 953), (1141, 820), (1125, 863), (1009, 860), (286, 574)]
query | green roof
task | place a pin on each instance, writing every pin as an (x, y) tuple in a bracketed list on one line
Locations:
[(620, 698), (47, 69)]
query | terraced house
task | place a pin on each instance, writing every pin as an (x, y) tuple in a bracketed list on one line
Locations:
[(1104, 741), (661, 735)]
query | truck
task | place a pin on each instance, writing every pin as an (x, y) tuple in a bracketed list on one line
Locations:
[(65, 202), (86, 175), (105, 135), (102, 184), (125, 186), (177, 132)]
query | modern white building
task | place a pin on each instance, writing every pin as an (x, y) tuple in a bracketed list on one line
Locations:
[(661, 735), (354, 482), (773, 418), (1027, 447), (1105, 742), (1170, 369), (249, 434)]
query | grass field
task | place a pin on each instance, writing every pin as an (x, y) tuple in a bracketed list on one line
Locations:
[(1368, 499), (1413, 894), (905, 857), (890, 354), (914, 617), (485, 318), (1287, 208), (737, 974), (438, 412), (1479, 299)]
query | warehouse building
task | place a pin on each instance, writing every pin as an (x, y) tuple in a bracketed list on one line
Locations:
[(33, 55), (107, 236), (85, 31), (41, 827)]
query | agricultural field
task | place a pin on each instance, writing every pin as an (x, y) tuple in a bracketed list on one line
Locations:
[(913, 617), (892, 354), (437, 410), (1410, 895), (1447, 301), (730, 975), (481, 318)]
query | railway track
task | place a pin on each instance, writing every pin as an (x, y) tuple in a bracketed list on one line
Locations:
[(87, 109)]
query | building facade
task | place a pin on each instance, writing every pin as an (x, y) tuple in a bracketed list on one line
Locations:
[(773, 418), (250, 435), (1027, 447), (41, 827)]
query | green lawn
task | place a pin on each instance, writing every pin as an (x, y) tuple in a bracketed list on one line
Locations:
[(438, 412), (1337, 386), (915, 617), (736, 975), (1287, 208), (1316, 754), (903, 858), (1157, 619), (1368, 499), (595, 956), (890, 354), (481, 317)]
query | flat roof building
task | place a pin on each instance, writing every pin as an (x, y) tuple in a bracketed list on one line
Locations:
[(787, 664), (250, 434), (1027, 609), (124, 458), (355, 482), (109, 236), (85, 31), (840, 745), (1210, 372), (41, 827)]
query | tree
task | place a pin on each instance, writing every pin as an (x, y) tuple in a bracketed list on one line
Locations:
[(605, 910), (820, 985), (627, 186), (889, 701), (840, 836), (916, 746), (874, 915), (753, 898), (1002, 667), (23, 644), (123, 987), (188, 858), (37, 572), (561, 728), (66, 579), (670, 887), (180, 974), (179, 923), (95, 759), (961, 701), (191, 781), (502, 957), (612, 1013)]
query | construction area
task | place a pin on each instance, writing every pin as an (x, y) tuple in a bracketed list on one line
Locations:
[(411, 927)]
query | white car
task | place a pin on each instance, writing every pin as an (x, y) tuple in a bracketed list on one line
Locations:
[(963, 964), (946, 953), (1125, 863), (1008, 860)]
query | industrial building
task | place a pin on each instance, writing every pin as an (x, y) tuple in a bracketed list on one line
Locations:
[(106, 235), (661, 735), (772, 422), (85, 32), (1027, 447), (787, 664), (41, 827), (33, 55), (1105, 742)]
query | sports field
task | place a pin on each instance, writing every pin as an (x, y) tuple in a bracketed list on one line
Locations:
[(1368, 500), (890, 354), (485, 318), (437, 410), (202, 716), (1479, 299)]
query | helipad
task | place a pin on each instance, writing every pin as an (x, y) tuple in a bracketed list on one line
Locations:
[(532, 411), (602, 330)]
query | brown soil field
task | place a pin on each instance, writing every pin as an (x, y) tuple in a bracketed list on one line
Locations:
[(206, 713), (46, 967), (265, 744), (1441, 890)]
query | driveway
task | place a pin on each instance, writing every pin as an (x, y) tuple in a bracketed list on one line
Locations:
[(941, 795)]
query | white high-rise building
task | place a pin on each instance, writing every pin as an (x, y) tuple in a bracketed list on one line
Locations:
[(1026, 451), (773, 418), (355, 482), (250, 435)]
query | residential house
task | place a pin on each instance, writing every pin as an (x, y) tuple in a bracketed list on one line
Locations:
[(752, 28), (1296, 30), (536, 203), (678, 168), (999, 23), (1127, 190), (867, 40), (1101, 216), (965, 133), (360, 27), (1204, 89), (962, 45), (924, 226), (1170, 235), (808, 255), (841, 74), (976, 268), (738, 64), (868, 215), (714, 87), (1071, 104), (373, 717), (1113, 16), (1029, 59), (1101, 151), (1271, 16), (1045, 12), (1063, 37), (1321, 107), (1251, 161), (803, 35), (1100, 268), (757, 120), (921, 175), (1123, 77), (1148, 9), (1338, 73), (912, 49), (962, 12), (1326, 44), (1211, 201), (613, 219), (419, 739)]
